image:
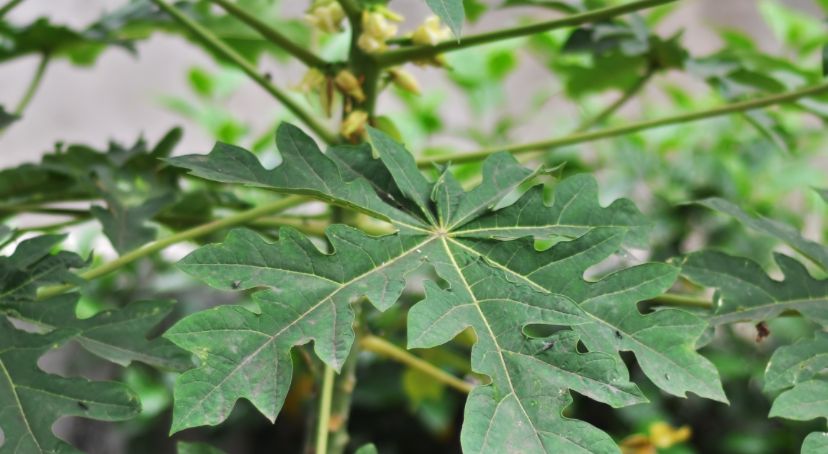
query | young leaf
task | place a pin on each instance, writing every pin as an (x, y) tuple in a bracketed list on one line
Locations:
[(814, 251), (451, 12), (498, 288), (33, 400), (746, 293)]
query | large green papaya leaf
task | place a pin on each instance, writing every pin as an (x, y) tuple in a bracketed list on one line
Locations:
[(495, 282)]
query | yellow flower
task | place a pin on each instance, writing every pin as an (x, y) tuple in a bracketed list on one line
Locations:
[(326, 15), (431, 33), (354, 125), (404, 80), (348, 83), (664, 435)]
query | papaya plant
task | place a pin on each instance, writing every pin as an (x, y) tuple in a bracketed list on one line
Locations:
[(360, 288)]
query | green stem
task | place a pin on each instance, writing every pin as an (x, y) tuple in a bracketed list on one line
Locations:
[(34, 84), (629, 94), (627, 129), (8, 7), (185, 235), (307, 57), (323, 427), (382, 347), (412, 53), (219, 46)]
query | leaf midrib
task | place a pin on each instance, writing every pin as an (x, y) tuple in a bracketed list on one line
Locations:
[(301, 317)]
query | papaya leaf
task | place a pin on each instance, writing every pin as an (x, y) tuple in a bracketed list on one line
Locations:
[(817, 253), (118, 336), (498, 288), (33, 265), (33, 400), (815, 443), (744, 292), (130, 179)]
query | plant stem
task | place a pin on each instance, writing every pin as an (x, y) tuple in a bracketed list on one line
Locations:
[(34, 84), (407, 54), (323, 427), (8, 7), (382, 347), (620, 102), (307, 57), (581, 137), (219, 46), (185, 235)]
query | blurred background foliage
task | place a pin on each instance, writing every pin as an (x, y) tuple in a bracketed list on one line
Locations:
[(770, 161)]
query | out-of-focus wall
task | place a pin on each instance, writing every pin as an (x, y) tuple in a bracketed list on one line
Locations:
[(119, 97)]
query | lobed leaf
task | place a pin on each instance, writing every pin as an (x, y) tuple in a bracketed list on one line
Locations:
[(817, 253), (498, 288), (746, 293)]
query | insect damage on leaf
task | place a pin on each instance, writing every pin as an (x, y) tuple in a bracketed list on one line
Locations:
[(497, 284)]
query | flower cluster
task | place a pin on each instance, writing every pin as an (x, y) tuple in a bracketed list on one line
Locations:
[(378, 26), (326, 15)]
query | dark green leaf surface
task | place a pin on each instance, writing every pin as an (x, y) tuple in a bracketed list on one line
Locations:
[(33, 265), (304, 170), (32, 400), (119, 336), (132, 181), (497, 288), (746, 293)]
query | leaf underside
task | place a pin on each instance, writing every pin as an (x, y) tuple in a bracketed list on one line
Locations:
[(494, 281)]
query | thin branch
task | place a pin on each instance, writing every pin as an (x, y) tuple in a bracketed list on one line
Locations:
[(627, 129), (629, 94), (407, 54), (9, 6), (307, 57), (219, 46), (185, 235), (34, 84), (382, 347)]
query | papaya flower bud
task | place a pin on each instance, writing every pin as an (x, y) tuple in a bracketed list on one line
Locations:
[(404, 80), (326, 15), (347, 82), (376, 30), (431, 33), (353, 127), (312, 81)]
